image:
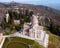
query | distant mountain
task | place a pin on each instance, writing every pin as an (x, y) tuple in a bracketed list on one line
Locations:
[(56, 6), (42, 10)]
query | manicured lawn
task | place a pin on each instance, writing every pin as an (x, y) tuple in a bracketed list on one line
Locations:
[(22, 40), (16, 45), (27, 41), (36, 45)]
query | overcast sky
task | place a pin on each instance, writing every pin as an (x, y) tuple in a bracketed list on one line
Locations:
[(34, 1)]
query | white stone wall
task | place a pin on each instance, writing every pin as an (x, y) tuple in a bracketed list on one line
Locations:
[(31, 33), (24, 32), (16, 22)]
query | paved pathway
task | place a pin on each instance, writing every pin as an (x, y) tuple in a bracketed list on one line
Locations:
[(2, 42), (20, 35)]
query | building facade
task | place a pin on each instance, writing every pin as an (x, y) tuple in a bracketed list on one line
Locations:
[(33, 30)]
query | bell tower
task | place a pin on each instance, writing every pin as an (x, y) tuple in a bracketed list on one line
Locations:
[(34, 20), (7, 17)]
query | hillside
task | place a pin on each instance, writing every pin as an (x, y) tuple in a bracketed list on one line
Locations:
[(42, 10)]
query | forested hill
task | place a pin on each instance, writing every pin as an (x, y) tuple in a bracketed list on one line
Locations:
[(42, 10)]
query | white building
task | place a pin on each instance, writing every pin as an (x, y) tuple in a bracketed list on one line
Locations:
[(26, 29), (7, 17), (16, 22), (36, 31)]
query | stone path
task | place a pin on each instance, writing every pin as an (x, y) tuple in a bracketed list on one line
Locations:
[(2, 42)]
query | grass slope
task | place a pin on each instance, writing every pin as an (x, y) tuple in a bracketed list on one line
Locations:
[(54, 41)]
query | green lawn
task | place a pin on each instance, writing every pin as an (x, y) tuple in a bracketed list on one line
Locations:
[(36, 45), (23, 40), (16, 45), (27, 41)]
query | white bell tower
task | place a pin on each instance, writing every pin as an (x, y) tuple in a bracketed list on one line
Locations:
[(35, 25), (34, 20), (7, 17)]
